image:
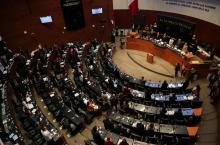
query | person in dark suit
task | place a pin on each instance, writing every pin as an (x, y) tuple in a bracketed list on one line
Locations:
[(140, 128), (177, 69), (185, 85), (164, 85), (96, 135)]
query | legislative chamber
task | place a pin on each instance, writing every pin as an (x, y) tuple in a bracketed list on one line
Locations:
[(112, 72)]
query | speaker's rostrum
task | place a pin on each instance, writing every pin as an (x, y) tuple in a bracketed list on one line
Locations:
[(73, 14)]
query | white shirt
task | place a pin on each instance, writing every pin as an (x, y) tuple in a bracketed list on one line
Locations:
[(47, 135)]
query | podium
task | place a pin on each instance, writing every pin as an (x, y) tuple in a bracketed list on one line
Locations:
[(150, 58)]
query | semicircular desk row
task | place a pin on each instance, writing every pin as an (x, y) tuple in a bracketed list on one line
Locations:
[(196, 131)]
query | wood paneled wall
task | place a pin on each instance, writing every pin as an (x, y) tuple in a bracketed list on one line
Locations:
[(205, 31), (19, 15)]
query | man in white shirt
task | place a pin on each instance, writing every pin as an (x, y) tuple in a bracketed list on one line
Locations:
[(48, 136)]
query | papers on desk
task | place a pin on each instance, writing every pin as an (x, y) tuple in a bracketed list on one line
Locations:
[(30, 106), (45, 79), (129, 141), (76, 95), (28, 99), (137, 93), (89, 83), (106, 80), (85, 101), (108, 95), (52, 95), (169, 129), (28, 62), (15, 137), (191, 97), (62, 64), (11, 135), (170, 112), (4, 121)]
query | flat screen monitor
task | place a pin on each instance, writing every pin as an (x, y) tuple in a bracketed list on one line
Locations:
[(46, 19), (97, 11)]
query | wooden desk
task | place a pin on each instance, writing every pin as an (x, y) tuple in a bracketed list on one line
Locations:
[(168, 55)]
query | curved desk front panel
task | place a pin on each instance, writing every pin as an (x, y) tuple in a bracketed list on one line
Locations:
[(168, 55)]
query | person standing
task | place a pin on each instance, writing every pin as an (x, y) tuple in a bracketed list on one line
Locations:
[(177, 69), (48, 136), (183, 70), (113, 36)]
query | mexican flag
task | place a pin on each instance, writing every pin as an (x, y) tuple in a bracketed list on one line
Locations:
[(133, 6)]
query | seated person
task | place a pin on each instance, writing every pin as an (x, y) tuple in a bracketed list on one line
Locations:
[(196, 90), (178, 114), (123, 142), (150, 130), (109, 141), (178, 43), (164, 85), (108, 124), (48, 136), (127, 91), (185, 47), (96, 135), (163, 111), (90, 107), (117, 129), (173, 98), (171, 42), (140, 127)]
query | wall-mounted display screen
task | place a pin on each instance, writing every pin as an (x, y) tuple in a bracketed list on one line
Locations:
[(97, 11), (46, 19)]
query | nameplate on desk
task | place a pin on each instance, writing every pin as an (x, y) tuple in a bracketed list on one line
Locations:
[(28, 99)]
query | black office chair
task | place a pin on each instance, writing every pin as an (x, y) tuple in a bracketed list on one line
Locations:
[(165, 120), (125, 131), (52, 108), (136, 136), (153, 140), (180, 121), (186, 141), (168, 139), (47, 101)]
